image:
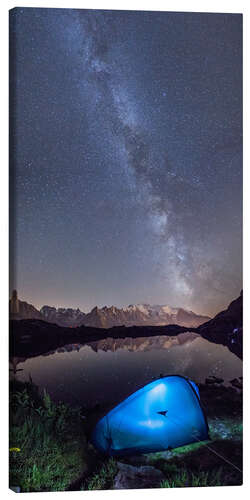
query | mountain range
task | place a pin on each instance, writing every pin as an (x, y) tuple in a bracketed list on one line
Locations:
[(34, 336), (108, 317)]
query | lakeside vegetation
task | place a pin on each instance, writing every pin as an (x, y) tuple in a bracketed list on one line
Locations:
[(49, 450), (50, 437)]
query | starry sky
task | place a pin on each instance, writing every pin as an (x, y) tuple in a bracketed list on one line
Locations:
[(126, 158)]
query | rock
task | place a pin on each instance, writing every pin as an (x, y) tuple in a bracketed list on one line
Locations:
[(236, 383), (209, 381), (214, 380), (130, 477), (217, 380), (226, 327)]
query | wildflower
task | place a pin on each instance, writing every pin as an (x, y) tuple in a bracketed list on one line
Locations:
[(15, 449)]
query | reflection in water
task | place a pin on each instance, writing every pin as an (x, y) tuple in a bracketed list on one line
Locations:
[(108, 370)]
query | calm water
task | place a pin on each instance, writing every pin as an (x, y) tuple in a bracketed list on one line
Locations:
[(109, 370)]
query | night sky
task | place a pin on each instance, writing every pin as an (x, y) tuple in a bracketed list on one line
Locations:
[(127, 148)]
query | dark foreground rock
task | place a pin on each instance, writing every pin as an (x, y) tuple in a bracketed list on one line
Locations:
[(226, 327), (214, 380), (236, 383), (130, 477)]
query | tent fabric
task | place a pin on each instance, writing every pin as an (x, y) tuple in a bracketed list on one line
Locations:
[(162, 415)]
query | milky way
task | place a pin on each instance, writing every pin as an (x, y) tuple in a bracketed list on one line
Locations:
[(127, 154)]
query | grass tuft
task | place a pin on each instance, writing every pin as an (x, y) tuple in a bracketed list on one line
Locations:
[(185, 478), (50, 438), (103, 479)]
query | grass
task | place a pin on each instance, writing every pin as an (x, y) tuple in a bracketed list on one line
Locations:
[(103, 479), (215, 463), (185, 478), (50, 438)]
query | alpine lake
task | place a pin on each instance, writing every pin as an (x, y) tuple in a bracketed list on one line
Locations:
[(108, 370)]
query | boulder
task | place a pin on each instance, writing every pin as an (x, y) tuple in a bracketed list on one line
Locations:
[(236, 383), (130, 477), (214, 380)]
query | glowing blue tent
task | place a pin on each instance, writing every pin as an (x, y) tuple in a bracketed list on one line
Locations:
[(162, 415)]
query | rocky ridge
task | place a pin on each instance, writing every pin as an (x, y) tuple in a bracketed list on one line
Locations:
[(107, 317)]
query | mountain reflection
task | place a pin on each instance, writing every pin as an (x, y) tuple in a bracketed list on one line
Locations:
[(133, 345), (109, 370)]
